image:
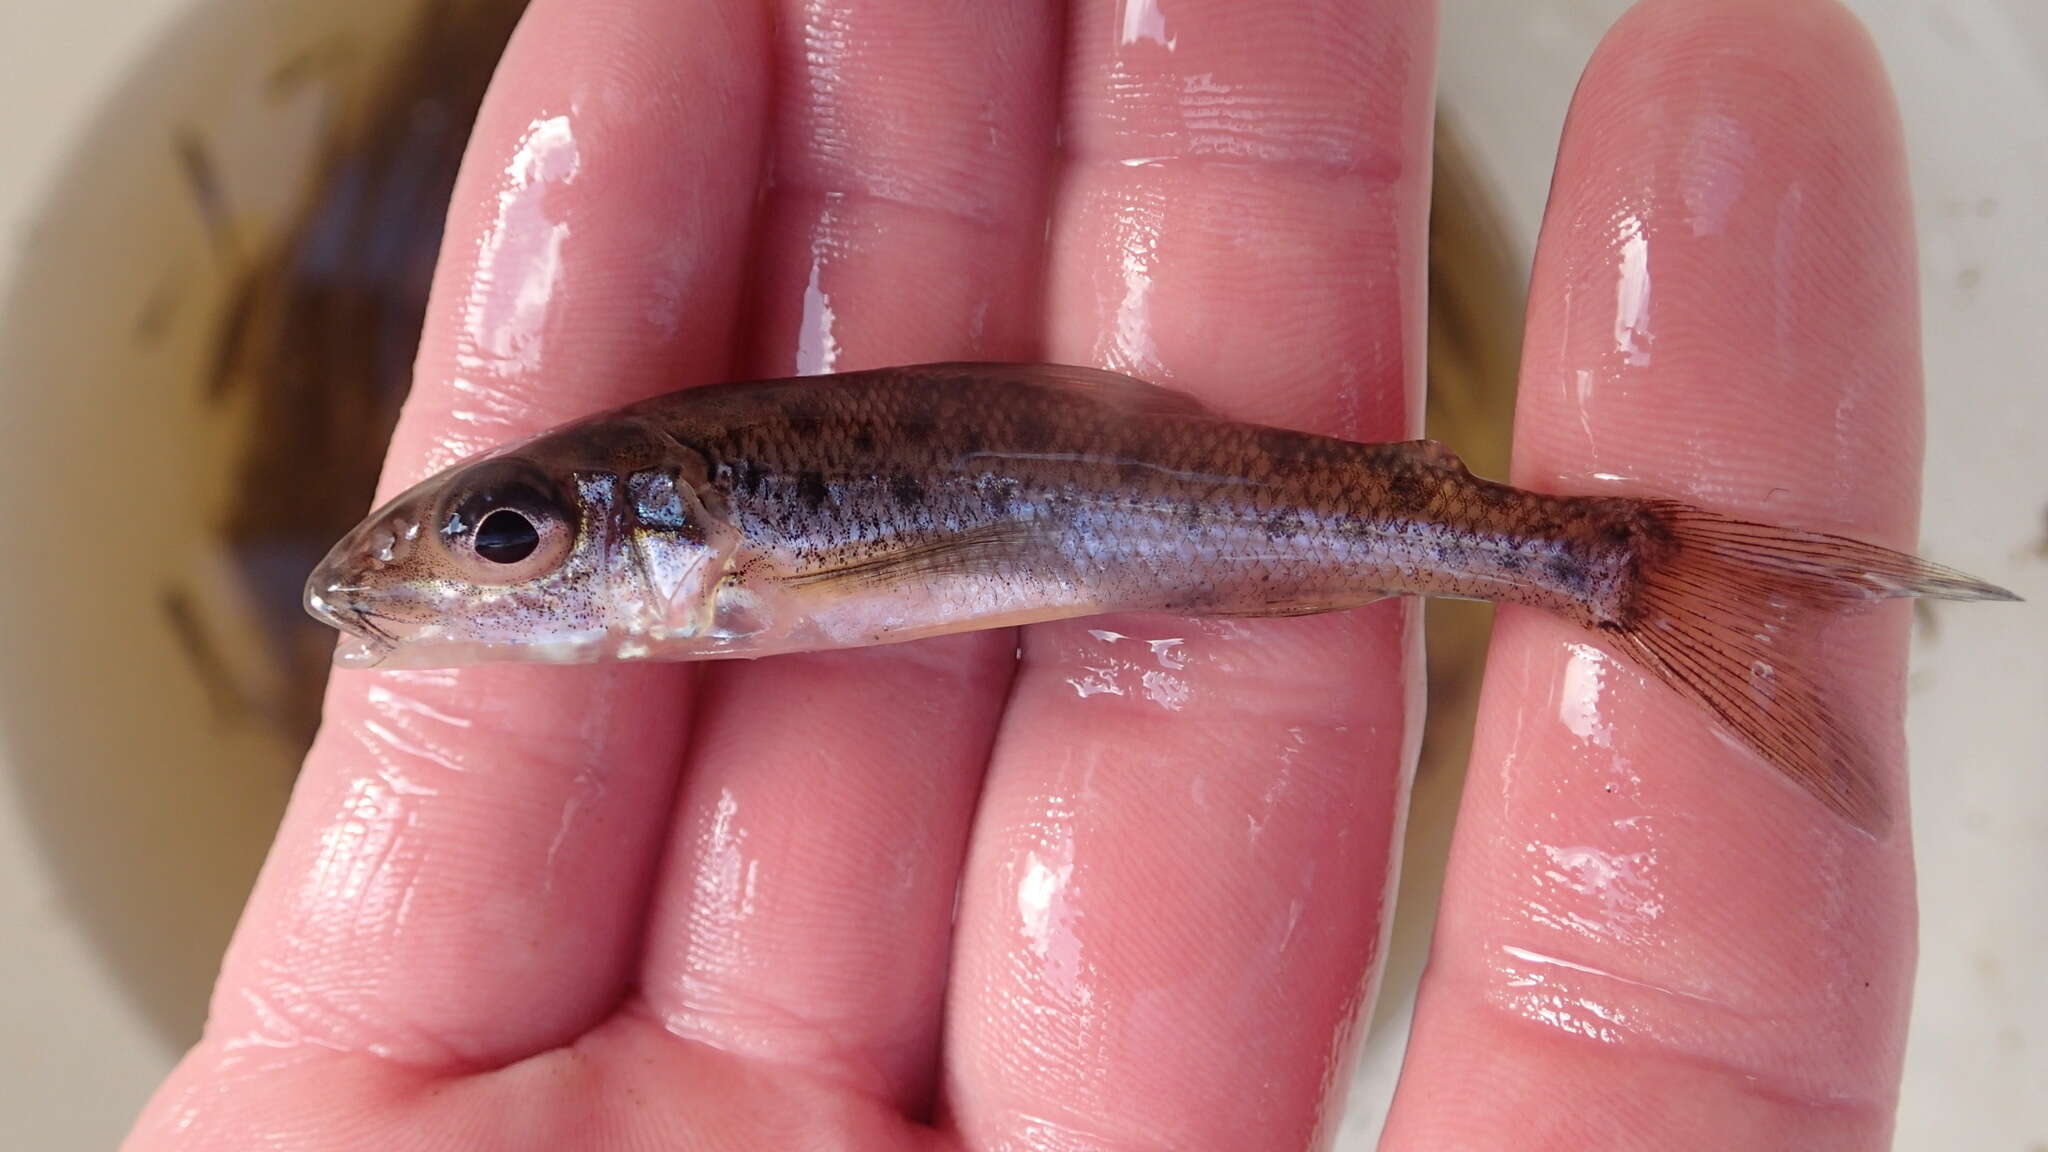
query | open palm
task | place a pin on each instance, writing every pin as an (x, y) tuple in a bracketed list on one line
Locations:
[(1118, 883)]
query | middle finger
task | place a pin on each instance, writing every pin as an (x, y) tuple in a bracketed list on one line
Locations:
[(1175, 894)]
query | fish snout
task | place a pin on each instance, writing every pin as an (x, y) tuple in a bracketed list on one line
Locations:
[(332, 595), (342, 585), (322, 604)]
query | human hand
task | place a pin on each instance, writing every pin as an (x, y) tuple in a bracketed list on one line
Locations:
[(518, 907)]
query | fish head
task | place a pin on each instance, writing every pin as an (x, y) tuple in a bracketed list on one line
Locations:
[(549, 551)]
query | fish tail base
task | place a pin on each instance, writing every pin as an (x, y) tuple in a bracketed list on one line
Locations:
[(1728, 611)]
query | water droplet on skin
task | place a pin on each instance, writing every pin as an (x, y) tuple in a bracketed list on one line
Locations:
[(1039, 889), (1127, 343), (1577, 1015), (1097, 681), (1109, 674), (1578, 699), (1595, 893), (726, 883), (366, 859), (1168, 652), (817, 345), (1143, 20), (1047, 913), (1632, 293), (561, 836), (519, 259), (1169, 692), (1582, 400), (1712, 166)]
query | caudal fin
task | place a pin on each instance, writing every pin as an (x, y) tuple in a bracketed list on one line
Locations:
[(1725, 611)]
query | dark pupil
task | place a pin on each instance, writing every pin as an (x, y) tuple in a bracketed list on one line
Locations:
[(506, 537)]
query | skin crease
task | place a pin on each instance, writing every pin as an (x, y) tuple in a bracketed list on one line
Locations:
[(676, 907)]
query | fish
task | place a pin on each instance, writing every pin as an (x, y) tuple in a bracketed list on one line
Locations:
[(755, 518)]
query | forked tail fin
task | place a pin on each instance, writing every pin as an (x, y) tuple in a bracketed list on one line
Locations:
[(1724, 610)]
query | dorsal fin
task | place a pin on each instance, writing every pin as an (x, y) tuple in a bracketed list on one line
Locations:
[(1111, 389), (1434, 452)]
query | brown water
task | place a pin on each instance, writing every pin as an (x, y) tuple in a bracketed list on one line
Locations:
[(321, 331)]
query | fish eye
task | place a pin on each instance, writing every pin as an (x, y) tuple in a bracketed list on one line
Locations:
[(506, 537), (504, 525)]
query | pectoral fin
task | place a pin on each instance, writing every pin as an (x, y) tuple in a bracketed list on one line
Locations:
[(987, 549)]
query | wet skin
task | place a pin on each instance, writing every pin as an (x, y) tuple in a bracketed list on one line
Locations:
[(677, 906)]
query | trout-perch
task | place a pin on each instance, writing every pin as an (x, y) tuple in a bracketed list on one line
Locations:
[(763, 517)]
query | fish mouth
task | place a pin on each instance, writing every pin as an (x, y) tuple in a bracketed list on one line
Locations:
[(365, 642)]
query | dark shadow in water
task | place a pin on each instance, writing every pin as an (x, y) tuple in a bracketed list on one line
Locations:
[(198, 428)]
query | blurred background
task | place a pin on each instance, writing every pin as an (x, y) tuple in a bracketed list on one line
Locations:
[(217, 221)]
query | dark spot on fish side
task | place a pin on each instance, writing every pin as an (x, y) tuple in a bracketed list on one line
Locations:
[(1653, 529), (811, 490), (1032, 431), (907, 489), (864, 440), (1510, 561), (1567, 569), (749, 476), (1000, 498), (1405, 488), (1284, 522)]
